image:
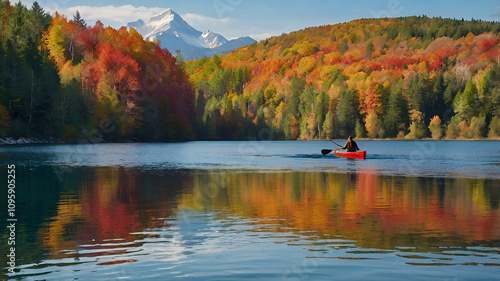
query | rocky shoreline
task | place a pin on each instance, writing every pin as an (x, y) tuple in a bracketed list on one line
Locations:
[(51, 140), (13, 141)]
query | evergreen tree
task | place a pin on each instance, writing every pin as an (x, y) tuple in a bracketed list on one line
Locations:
[(297, 85), (306, 102), (293, 105), (450, 91), (397, 116), (494, 101), (466, 104), (40, 20), (347, 113), (344, 47), (439, 89), (369, 50), (321, 110), (328, 129), (78, 19), (360, 129), (491, 92), (453, 131)]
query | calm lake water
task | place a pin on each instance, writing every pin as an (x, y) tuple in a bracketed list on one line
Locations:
[(245, 210)]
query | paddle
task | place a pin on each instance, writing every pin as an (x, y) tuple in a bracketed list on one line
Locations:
[(336, 143), (326, 151)]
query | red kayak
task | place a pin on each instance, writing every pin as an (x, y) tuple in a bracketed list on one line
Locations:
[(357, 155)]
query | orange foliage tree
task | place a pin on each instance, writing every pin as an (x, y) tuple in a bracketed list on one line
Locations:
[(392, 65), (130, 88)]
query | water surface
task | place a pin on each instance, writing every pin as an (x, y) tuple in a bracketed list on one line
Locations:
[(470, 159), (256, 210)]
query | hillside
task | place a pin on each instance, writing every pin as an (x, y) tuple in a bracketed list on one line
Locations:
[(63, 78), (410, 77)]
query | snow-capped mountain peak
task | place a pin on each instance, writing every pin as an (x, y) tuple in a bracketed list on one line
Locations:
[(165, 21), (213, 40), (206, 33), (167, 15), (175, 33)]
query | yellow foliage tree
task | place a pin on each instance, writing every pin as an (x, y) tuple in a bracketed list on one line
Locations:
[(477, 128), (372, 125), (494, 128), (416, 127), (436, 128)]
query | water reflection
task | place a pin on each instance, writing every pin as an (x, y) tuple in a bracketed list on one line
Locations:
[(111, 216), (377, 211)]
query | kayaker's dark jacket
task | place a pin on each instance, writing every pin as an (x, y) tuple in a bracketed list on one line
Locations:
[(351, 146)]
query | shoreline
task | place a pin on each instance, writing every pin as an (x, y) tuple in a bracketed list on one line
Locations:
[(95, 140), (49, 140), (431, 139)]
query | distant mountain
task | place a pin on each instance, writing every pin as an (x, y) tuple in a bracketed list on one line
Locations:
[(174, 33)]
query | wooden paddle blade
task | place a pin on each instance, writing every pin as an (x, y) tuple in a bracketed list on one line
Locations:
[(326, 151)]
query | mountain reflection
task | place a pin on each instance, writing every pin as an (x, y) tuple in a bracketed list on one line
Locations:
[(379, 212)]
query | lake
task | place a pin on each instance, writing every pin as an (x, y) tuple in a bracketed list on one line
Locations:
[(254, 210)]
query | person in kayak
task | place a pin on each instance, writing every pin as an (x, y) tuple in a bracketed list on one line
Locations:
[(350, 145)]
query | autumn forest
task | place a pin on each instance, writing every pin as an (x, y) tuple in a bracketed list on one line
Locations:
[(407, 78)]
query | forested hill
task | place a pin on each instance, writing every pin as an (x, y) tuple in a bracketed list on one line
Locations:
[(63, 78), (410, 77)]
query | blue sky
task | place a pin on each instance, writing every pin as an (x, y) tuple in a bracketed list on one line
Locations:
[(261, 19)]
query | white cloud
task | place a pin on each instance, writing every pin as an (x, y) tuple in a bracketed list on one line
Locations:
[(121, 15), (261, 36), (117, 16), (195, 19), (497, 14), (109, 15)]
